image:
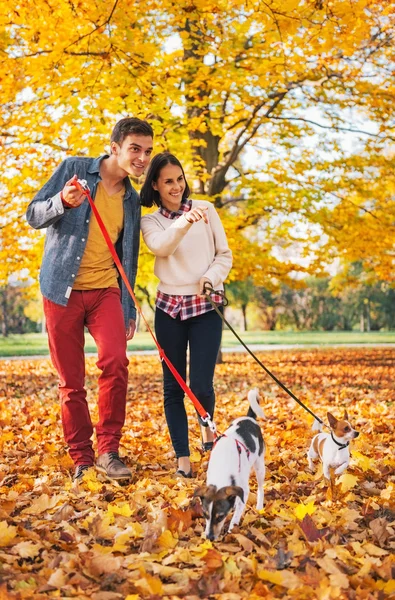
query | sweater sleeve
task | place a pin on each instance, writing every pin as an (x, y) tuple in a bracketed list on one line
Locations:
[(163, 242), (222, 263)]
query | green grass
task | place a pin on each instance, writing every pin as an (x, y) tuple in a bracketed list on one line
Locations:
[(36, 343)]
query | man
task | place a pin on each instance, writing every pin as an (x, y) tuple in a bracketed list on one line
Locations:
[(79, 283)]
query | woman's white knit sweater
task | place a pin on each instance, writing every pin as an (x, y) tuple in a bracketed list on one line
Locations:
[(186, 252)]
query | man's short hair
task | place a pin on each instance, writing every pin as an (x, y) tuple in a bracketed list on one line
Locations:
[(129, 126)]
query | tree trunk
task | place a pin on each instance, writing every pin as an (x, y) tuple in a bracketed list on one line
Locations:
[(362, 321), (4, 306), (244, 311), (368, 316)]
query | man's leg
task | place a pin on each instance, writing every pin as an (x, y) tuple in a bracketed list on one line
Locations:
[(105, 322), (172, 337), (65, 326)]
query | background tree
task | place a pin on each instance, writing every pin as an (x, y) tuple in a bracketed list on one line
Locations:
[(254, 96), (240, 294)]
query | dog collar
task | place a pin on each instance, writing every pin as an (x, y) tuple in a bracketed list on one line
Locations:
[(341, 446)]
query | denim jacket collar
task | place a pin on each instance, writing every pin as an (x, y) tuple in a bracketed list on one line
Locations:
[(94, 168)]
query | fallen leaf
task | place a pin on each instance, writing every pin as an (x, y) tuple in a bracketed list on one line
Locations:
[(286, 579), (310, 530), (304, 509), (27, 549), (212, 559), (347, 481), (7, 534)]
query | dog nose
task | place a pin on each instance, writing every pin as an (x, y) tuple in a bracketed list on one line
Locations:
[(356, 433), (211, 537)]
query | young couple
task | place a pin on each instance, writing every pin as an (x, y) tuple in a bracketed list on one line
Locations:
[(81, 288)]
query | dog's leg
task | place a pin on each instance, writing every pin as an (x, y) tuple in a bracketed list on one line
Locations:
[(239, 509), (311, 456), (326, 471), (259, 467), (341, 468)]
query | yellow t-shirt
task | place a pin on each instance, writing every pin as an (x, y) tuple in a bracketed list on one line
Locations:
[(97, 269)]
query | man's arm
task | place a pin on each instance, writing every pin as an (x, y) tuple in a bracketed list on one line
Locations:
[(47, 206)]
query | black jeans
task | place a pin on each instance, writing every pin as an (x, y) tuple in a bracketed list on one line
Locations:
[(203, 334)]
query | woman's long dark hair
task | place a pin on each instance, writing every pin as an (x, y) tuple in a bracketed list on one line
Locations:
[(149, 196)]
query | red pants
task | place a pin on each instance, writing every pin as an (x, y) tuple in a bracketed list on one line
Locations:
[(101, 312)]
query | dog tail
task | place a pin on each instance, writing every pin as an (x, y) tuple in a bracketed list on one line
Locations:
[(254, 410), (317, 426)]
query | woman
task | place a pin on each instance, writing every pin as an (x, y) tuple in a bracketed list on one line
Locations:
[(189, 242)]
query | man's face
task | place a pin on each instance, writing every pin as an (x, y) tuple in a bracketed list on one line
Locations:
[(134, 154)]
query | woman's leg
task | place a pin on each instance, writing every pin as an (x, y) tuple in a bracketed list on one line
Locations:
[(205, 332), (172, 337)]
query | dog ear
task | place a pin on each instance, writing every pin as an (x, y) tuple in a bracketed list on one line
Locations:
[(332, 420), (205, 492), (345, 415), (231, 491)]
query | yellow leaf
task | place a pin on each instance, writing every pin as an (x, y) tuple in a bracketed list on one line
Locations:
[(365, 569), (339, 579), (304, 509), (132, 597), (374, 550), (41, 504), (348, 481), (121, 539), (136, 530), (388, 492), (388, 586), (285, 578), (202, 549), (364, 462), (7, 533), (152, 585), (195, 456), (167, 540), (122, 509), (90, 478)]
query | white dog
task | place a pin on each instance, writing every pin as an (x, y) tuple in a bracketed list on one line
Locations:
[(332, 448), (239, 449)]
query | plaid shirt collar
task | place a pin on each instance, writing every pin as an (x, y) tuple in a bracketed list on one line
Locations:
[(185, 206)]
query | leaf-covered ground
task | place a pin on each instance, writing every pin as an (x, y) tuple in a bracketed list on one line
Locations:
[(144, 540)]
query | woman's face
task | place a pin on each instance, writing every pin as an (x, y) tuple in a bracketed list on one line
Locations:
[(171, 186)]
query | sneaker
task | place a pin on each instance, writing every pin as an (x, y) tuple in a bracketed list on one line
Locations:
[(80, 470), (207, 446), (111, 465), (181, 473)]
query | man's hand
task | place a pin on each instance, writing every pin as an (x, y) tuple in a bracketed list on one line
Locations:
[(71, 194), (131, 330), (201, 285), (194, 215)]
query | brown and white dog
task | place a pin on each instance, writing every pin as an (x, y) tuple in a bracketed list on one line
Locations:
[(239, 449), (332, 448)]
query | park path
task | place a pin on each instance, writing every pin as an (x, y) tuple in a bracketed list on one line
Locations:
[(236, 349)]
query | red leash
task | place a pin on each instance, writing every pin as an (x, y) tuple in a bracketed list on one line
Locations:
[(82, 185)]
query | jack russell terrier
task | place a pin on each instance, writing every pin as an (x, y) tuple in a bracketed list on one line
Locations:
[(235, 452), (332, 448)]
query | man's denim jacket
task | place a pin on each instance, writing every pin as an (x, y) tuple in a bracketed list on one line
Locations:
[(68, 229)]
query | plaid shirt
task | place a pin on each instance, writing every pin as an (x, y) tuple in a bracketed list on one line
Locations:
[(185, 306)]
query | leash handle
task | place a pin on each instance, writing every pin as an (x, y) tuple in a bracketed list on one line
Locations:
[(208, 291), (82, 185)]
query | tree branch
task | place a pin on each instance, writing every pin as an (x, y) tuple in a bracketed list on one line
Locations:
[(335, 127)]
